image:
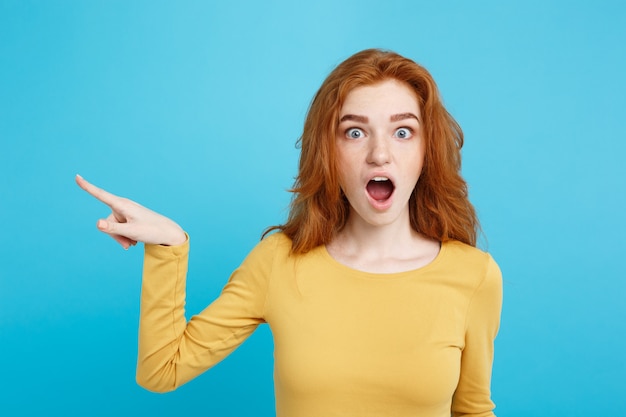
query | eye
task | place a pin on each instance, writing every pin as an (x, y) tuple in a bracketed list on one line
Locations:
[(354, 133), (403, 133)]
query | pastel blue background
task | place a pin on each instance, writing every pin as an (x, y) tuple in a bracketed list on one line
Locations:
[(193, 108)]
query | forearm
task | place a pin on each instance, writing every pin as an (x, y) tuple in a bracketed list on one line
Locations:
[(162, 317)]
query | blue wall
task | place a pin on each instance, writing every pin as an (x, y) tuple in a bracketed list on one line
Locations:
[(193, 109)]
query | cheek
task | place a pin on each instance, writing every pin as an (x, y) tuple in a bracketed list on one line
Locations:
[(348, 181), (413, 165), (417, 158), (345, 180), (344, 169)]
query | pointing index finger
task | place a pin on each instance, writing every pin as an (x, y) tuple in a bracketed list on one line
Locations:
[(102, 195)]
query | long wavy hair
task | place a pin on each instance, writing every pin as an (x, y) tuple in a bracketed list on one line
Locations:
[(439, 207)]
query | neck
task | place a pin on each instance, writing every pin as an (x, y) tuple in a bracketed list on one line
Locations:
[(392, 247), (361, 237)]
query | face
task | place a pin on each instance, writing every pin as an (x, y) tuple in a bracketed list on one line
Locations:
[(380, 151)]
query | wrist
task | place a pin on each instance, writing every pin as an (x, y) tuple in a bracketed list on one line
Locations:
[(178, 239)]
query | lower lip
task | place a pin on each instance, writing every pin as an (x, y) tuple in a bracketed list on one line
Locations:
[(380, 205)]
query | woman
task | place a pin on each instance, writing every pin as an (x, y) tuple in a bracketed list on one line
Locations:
[(379, 303)]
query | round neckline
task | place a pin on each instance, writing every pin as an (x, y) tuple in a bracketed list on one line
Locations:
[(384, 275)]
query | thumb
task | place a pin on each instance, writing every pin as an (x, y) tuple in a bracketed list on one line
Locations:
[(102, 225), (111, 228)]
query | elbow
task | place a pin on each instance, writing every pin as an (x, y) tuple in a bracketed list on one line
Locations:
[(153, 383)]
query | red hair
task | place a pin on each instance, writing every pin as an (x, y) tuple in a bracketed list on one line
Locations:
[(439, 206)]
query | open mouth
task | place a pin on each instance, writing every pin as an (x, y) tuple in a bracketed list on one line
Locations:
[(380, 188)]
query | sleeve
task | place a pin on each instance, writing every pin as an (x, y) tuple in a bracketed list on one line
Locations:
[(172, 351), (473, 394)]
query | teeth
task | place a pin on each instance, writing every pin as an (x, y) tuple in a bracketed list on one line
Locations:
[(380, 179)]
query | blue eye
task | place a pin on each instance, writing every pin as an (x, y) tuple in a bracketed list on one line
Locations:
[(403, 133), (354, 133)]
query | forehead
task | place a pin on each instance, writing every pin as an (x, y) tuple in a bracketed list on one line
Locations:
[(386, 97)]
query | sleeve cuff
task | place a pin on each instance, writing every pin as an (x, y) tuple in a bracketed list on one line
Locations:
[(166, 252)]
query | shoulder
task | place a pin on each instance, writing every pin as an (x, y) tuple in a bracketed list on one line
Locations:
[(478, 276), (270, 248), (471, 264), (275, 242), (459, 252)]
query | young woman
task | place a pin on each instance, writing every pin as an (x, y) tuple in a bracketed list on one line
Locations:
[(378, 301)]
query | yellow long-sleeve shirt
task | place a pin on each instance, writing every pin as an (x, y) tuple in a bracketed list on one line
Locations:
[(415, 343)]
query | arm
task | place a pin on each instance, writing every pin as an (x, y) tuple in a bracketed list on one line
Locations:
[(473, 394), (172, 351)]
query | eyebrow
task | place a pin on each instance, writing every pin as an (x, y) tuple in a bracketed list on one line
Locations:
[(354, 117), (393, 118), (403, 116)]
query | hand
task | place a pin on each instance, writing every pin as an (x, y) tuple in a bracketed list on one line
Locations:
[(130, 222)]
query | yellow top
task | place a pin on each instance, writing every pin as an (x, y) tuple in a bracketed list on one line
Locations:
[(415, 343)]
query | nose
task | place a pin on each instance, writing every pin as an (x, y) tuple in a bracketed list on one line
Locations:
[(379, 153)]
